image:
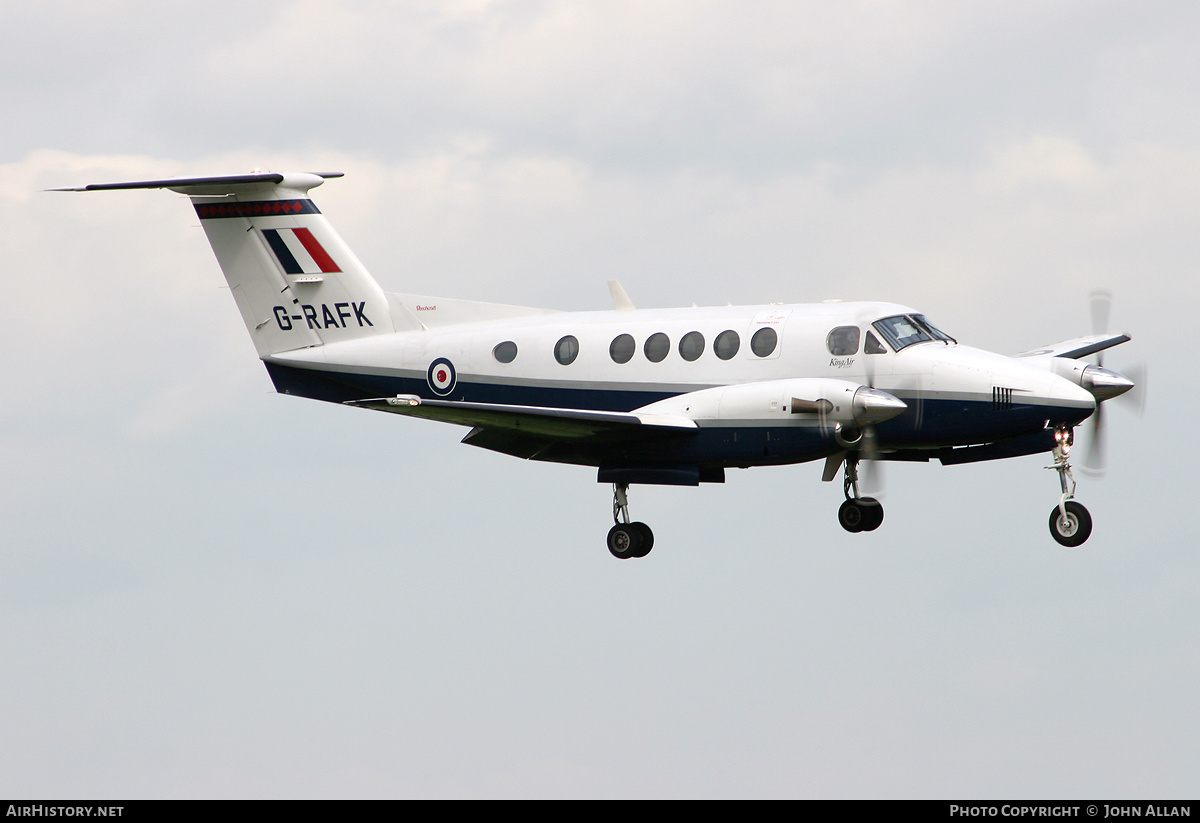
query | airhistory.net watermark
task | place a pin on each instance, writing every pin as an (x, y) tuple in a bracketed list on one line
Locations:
[(44, 810)]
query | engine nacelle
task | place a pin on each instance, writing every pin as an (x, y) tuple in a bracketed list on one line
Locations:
[(848, 437), (800, 401), (1104, 384)]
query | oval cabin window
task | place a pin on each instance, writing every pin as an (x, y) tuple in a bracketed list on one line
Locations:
[(727, 344), (622, 348), (764, 341), (657, 347), (505, 352), (566, 350), (691, 346)]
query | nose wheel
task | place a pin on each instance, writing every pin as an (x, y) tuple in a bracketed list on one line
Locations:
[(858, 514), (1070, 522), (625, 539)]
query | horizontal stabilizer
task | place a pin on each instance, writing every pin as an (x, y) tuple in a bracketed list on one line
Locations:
[(224, 183)]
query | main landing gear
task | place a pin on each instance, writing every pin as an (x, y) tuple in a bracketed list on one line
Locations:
[(1070, 523), (627, 539), (858, 514)]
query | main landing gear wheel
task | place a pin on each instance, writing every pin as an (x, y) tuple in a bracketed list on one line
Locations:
[(624, 540), (1074, 528), (627, 539), (850, 515), (861, 514), (872, 513), (647, 539), (858, 514)]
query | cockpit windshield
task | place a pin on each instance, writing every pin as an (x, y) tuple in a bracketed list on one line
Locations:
[(906, 329)]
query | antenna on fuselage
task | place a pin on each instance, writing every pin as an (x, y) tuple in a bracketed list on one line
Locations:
[(621, 301)]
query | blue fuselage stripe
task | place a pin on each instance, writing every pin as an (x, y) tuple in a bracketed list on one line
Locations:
[(928, 423)]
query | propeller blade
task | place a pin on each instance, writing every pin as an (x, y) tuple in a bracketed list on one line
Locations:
[(1093, 456), (870, 446), (1109, 385), (872, 478), (1101, 300)]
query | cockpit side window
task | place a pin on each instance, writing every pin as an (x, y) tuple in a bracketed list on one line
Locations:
[(843, 340), (873, 346)]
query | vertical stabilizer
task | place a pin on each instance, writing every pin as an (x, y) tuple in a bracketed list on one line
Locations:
[(295, 282)]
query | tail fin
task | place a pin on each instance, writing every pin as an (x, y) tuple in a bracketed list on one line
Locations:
[(296, 283)]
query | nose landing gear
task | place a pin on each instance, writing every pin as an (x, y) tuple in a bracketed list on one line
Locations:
[(858, 514), (625, 539), (1070, 523)]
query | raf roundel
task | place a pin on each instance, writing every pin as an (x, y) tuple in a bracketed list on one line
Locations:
[(441, 376)]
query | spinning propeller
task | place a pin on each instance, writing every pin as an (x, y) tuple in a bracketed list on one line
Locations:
[(1104, 387), (872, 475), (868, 406)]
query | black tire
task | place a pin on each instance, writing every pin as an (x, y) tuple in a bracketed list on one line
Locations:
[(625, 541), (1073, 530), (850, 515), (647, 539), (872, 513)]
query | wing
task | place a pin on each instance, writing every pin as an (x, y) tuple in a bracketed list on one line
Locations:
[(526, 431), (1078, 347)]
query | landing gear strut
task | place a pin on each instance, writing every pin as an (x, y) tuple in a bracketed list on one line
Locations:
[(858, 514), (627, 539), (1070, 523)]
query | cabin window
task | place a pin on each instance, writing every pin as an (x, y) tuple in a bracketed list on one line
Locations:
[(843, 340), (764, 341), (566, 350), (727, 344), (657, 347), (505, 352), (691, 346), (873, 346), (622, 348)]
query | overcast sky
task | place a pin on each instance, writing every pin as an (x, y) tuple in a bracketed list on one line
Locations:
[(210, 590)]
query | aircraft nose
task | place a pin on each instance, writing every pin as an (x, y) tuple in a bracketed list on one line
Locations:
[(874, 406), (1067, 401), (1105, 384)]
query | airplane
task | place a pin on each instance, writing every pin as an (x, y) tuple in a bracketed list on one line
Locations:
[(645, 396)]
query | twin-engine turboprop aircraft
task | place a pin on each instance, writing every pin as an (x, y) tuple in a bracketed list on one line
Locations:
[(667, 396)]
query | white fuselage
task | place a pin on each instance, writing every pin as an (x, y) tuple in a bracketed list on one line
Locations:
[(957, 395)]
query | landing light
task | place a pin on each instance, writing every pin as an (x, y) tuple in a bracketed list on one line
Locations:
[(1064, 438)]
